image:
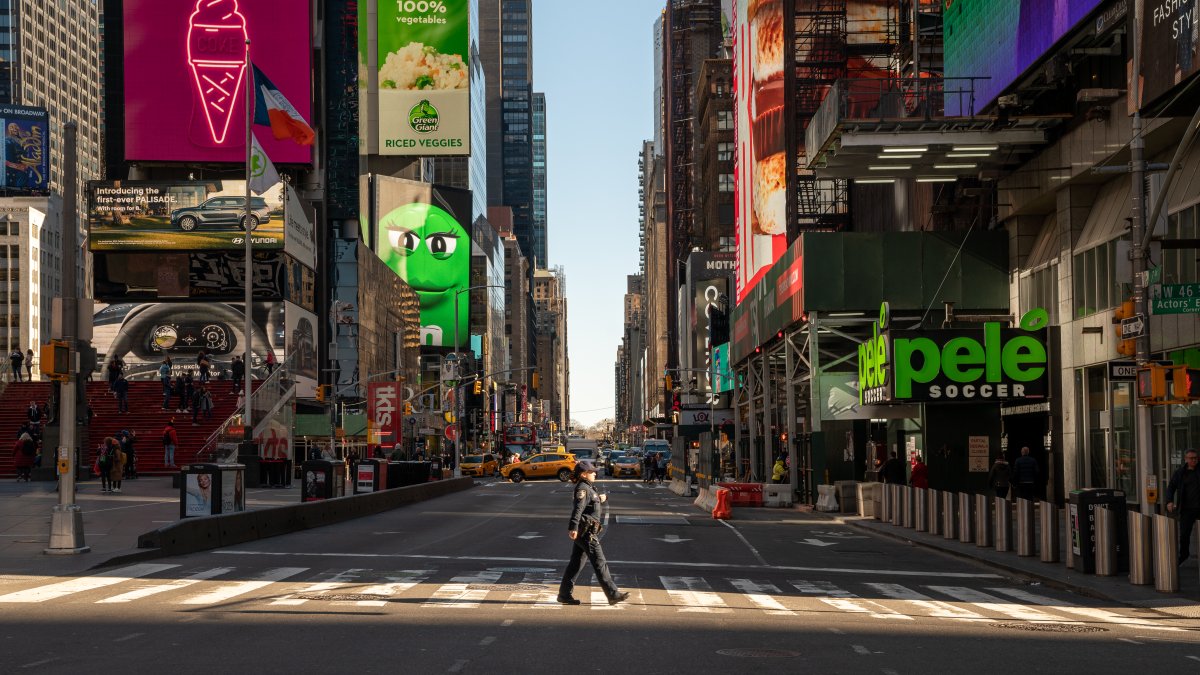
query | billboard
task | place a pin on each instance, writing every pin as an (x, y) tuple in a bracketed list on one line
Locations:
[(299, 239), (1000, 39), (144, 334), (383, 411), (300, 344), (186, 70), (26, 148), (761, 170), (201, 275), (182, 216), (1170, 45), (422, 232), (424, 78)]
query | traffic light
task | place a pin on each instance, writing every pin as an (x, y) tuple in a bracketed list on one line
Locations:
[(1185, 384), (535, 381), (668, 382), (408, 409), (321, 389), (1152, 384), (1125, 346), (56, 360), (478, 388)]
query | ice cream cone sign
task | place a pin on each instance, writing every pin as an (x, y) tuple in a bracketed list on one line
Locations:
[(216, 52)]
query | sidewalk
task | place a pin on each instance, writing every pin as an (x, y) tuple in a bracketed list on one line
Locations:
[(111, 522), (1114, 589)]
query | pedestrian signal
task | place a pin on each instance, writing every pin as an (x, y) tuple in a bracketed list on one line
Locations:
[(1152, 384), (1185, 384), (56, 360), (321, 388), (408, 409)]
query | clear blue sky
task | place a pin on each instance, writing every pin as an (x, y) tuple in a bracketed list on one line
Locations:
[(598, 80)]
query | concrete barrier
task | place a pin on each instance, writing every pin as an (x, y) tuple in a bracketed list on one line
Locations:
[(680, 487), (707, 499), (200, 534)]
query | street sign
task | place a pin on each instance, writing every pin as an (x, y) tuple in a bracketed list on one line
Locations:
[(1133, 327), (451, 432), (1126, 371), (1175, 299)]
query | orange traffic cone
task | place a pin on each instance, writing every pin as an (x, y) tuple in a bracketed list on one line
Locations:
[(722, 510)]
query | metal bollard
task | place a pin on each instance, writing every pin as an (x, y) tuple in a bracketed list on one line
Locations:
[(983, 521), (1166, 563), (1003, 523), (1140, 569), (877, 497), (921, 517), (1049, 540), (933, 506), (1025, 533), (966, 518), (885, 512), (909, 515), (949, 515), (1106, 542), (897, 506)]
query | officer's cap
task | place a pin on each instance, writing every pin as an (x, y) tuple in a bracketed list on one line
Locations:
[(584, 466)]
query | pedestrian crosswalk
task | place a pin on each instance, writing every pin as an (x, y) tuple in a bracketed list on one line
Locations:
[(517, 589)]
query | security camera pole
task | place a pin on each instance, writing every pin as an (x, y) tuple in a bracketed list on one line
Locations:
[(66, 521)]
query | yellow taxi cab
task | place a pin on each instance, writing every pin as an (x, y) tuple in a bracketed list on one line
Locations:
[(480, 465), (626, 465), (541, 465)]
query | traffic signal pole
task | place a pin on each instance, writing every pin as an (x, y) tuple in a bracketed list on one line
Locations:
[(1143, 442)]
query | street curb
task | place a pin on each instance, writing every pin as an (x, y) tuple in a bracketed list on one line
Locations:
[(193, 535)]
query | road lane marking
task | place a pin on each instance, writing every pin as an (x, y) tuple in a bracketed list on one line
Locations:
[(837, 631), (758, 592), (757, 556), (994, 604), (331, 582), (88, 583), (936, 608), (457, 595), (506, 623), (487, 641), (155, 589), (1090, 612), (1194, 658), (859, 649), (846, 601), (458, 666), (599, 600), (397, 583), (694, 594), (647, 563), (43, 662), (230, 591), (129, 637), (1132, 642), (544, 598)]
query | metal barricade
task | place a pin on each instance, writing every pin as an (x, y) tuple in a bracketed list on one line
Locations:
[(885, 511), (1003, 522), (949, 515), (1106, 542), (1140, 565), (1026, 539), (921, 517), (966, 518), (906, 512), (933, 507), (1166, 563), (983, 521), (1049, 541)]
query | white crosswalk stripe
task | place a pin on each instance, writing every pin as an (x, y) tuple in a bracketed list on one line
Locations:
[(545, 598), (844, 600), (998, 605), (456, 594), (396, 583), (936, 608), (331, 582), (83, 584), (760, 593), (233, 590), (693, 594), (155, 589), (1090, 612)]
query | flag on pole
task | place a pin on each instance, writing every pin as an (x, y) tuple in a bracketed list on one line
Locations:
[(263, 175), (272, 109)]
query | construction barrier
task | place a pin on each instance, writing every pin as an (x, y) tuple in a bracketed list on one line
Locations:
[(744, 494), (723, 510)]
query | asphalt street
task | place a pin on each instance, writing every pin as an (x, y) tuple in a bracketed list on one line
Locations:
[(467, 584)]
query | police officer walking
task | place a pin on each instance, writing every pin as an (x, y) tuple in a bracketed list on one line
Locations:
[(584, 531)]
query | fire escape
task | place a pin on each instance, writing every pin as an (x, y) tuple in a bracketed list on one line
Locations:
[(821, 57)]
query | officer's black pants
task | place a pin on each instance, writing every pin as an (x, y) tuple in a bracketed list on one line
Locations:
[(587, 544)]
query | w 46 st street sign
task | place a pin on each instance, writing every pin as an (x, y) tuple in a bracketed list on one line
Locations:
[(1175, 299)]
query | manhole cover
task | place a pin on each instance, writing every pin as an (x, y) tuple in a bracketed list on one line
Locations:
[(1051, 627), (341, 597), (506, 587), (759, 653)]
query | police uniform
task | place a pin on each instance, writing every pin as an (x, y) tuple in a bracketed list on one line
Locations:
[(585, 520)]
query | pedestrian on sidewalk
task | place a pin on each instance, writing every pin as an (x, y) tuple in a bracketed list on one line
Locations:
[(920, 474), (104, 463), (29, 365), (584, 531), (16, 358), (121, 388), (648, 468), (164, 376), (237, 371), (660, 468), (128, 440), (893, 470), (1026, 475), (116, 466), (170, 440), (203, 364), (1183, 496), (24, 451), (998, 478)]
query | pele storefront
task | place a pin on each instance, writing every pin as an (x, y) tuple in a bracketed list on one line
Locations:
[(983, 387)]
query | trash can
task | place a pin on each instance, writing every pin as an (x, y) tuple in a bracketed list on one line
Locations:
[(435, 468), (323, 479), (211, 489), (370, 475), (1081, 518)]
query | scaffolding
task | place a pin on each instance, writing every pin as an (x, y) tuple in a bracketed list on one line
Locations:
[(820, 61)]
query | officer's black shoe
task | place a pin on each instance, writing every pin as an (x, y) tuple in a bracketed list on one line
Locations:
[(619, 598), (568, 600)]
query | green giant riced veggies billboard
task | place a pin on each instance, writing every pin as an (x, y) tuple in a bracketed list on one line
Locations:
[(424, 77)]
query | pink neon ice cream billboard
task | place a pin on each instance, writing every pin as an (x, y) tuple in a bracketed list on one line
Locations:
[(186, 72)]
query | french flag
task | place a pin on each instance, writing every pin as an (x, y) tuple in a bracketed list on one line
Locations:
[(272, 109)]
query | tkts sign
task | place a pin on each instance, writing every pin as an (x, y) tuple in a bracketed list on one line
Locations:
[(934, 366), (383, 406)]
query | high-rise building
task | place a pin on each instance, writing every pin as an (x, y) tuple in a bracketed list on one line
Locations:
[(628, 384), (554, 370), (31, 246), (540, 244), (714, 157), (654, 271)]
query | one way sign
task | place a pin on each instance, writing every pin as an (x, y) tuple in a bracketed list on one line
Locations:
[(1133, 327)]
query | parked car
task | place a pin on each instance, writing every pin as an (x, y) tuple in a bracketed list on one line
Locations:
[(541, 465), (480, 465), (222, 213)]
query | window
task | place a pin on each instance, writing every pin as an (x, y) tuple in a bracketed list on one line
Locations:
[(1180, 265), (1095, 284), (724, 120), (725, 151), (725, 182), (1039, 288)]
